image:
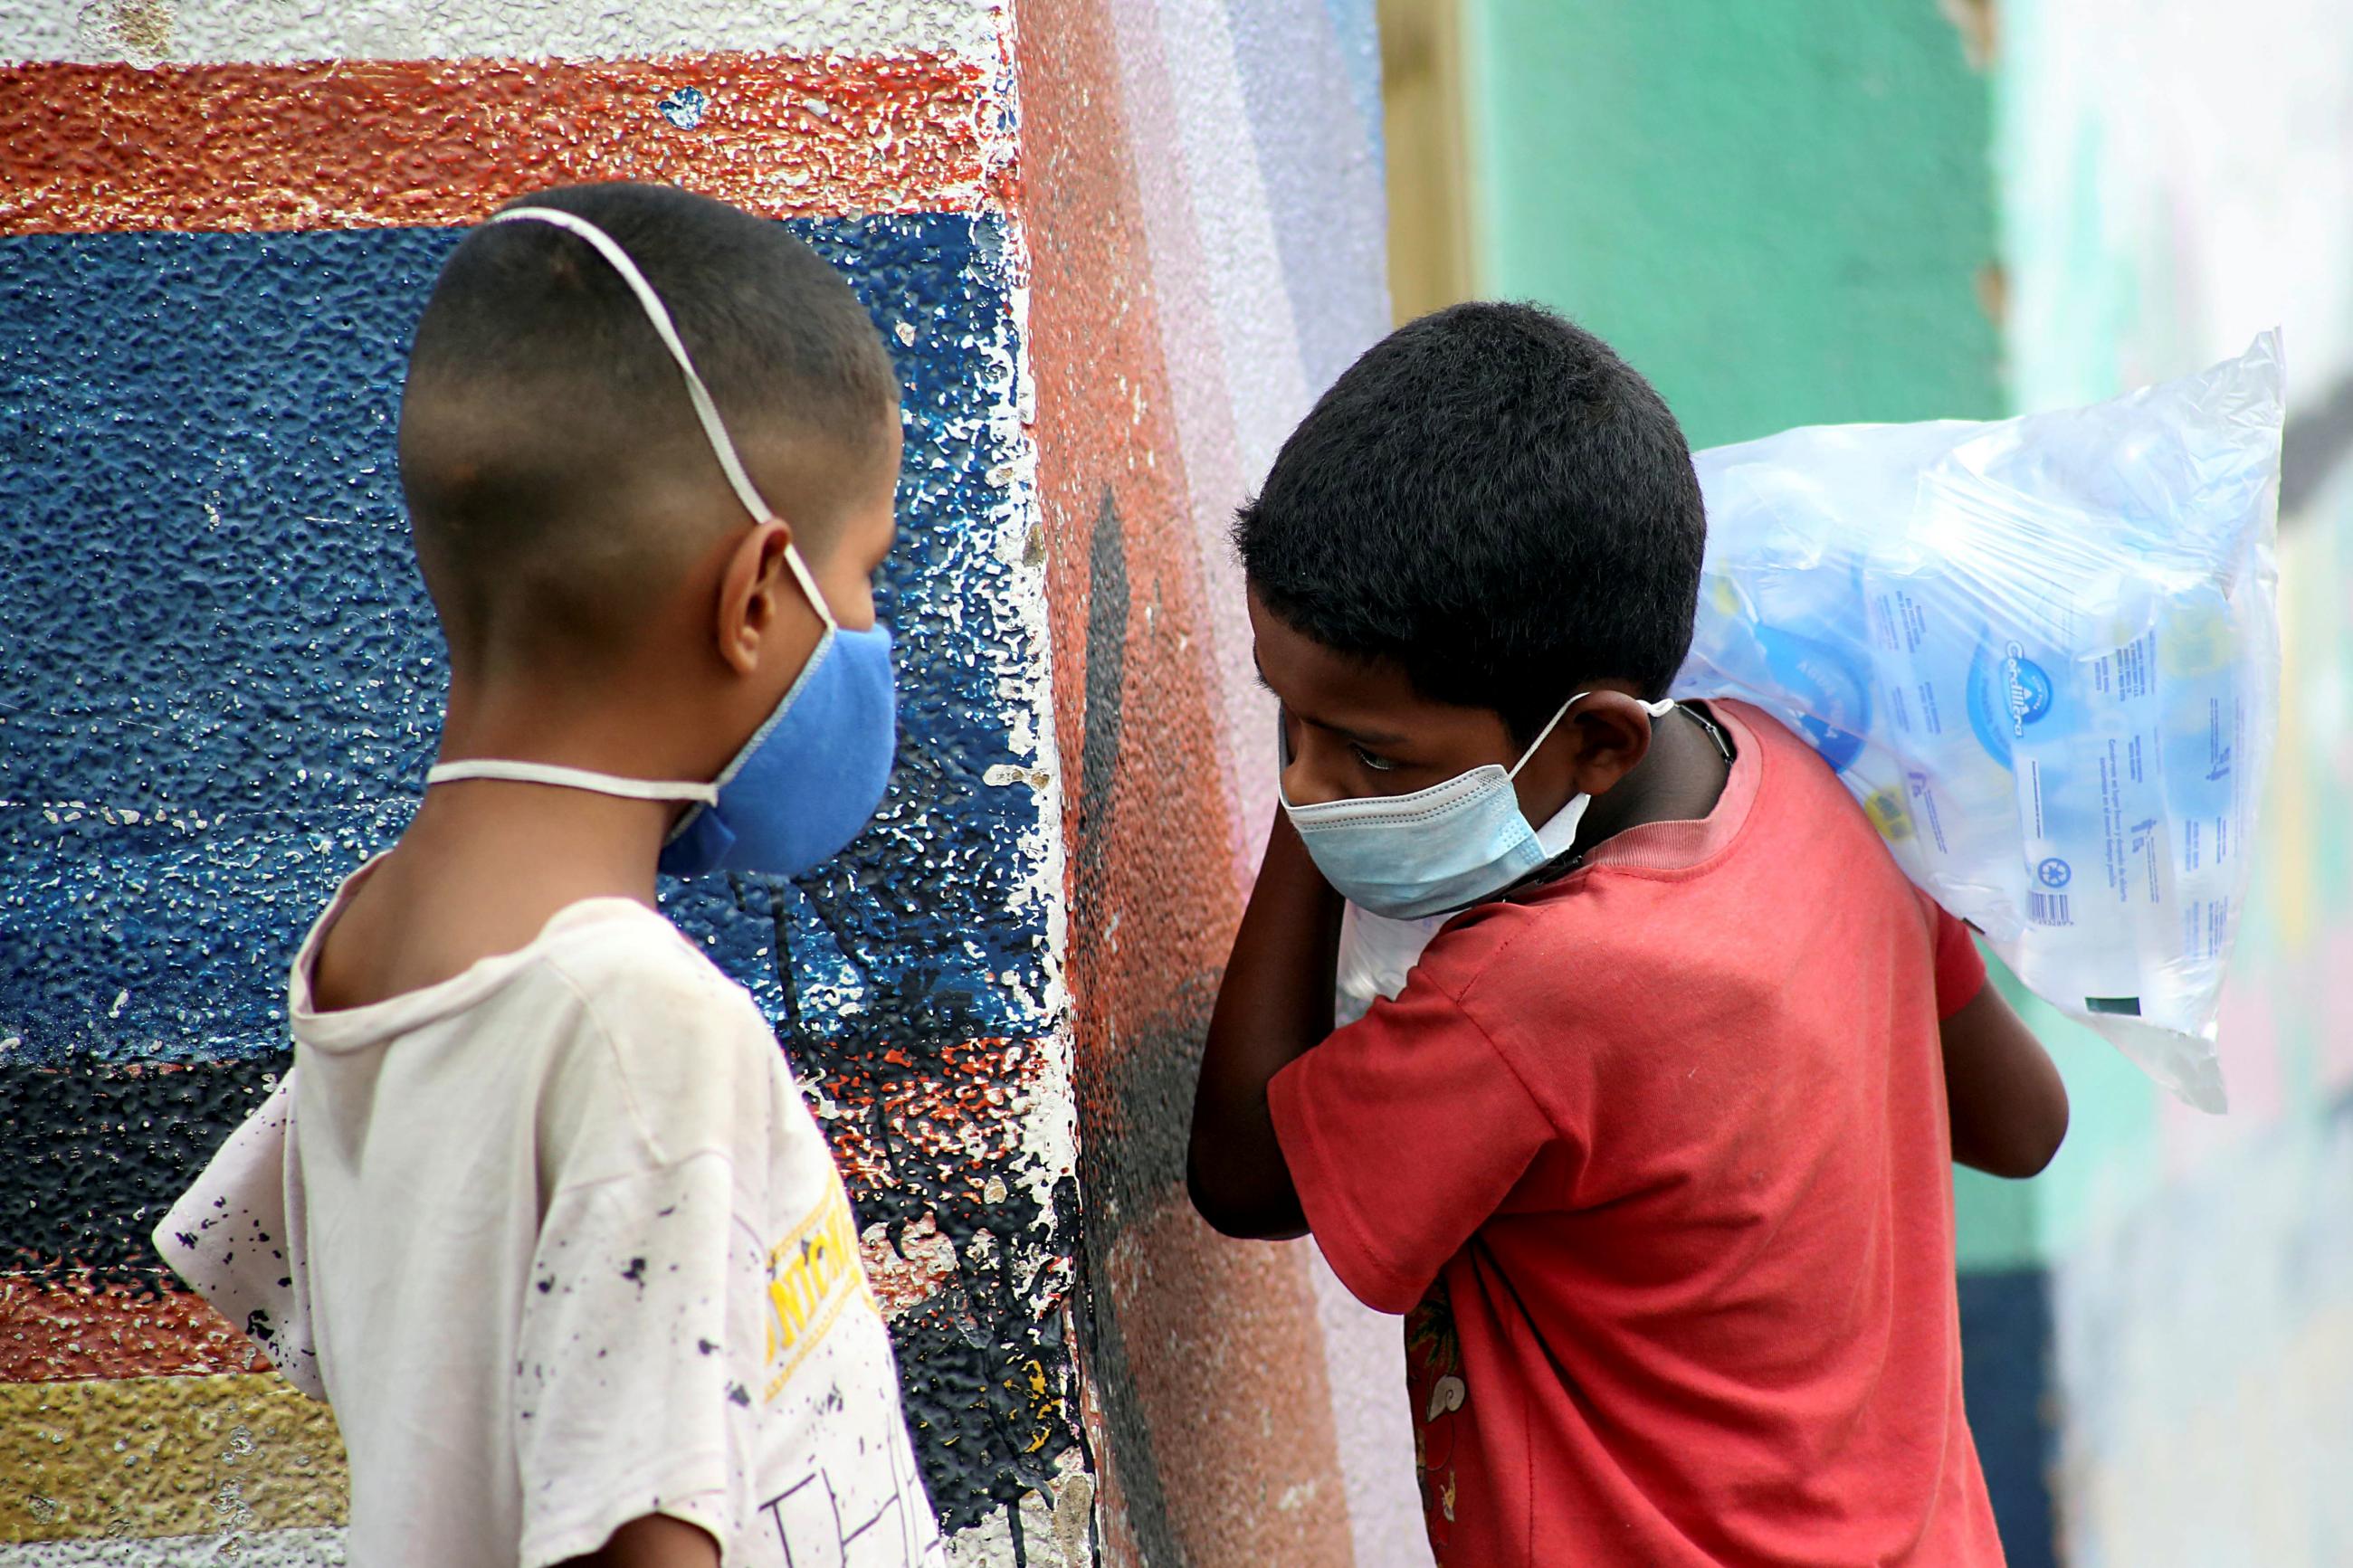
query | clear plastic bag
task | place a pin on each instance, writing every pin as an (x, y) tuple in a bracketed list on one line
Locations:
[(2043, 653)]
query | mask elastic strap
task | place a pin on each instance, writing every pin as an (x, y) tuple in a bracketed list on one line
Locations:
[(808, 587), (573, 778), (705, 410), (1658, 710)]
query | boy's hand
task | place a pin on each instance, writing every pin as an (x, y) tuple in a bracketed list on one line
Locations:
[(1274, 1004), (2007, 1105)]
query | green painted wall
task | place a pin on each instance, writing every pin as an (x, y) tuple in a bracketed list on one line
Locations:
[(1782, 213)]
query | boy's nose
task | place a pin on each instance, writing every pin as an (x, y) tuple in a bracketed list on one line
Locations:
[(1302, 788)]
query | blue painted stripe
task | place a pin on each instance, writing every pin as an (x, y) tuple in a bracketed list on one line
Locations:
[(225, 678)]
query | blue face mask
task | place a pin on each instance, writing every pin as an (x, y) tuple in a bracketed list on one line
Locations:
[(1440, 849), (807, 780)]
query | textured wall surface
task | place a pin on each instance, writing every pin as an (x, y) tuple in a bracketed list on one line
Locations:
[(224, 693), (1115, 247), (1201, 192)]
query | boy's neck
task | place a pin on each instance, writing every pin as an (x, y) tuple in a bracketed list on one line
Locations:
[(556, 844), (480, 870), (1679, 780)]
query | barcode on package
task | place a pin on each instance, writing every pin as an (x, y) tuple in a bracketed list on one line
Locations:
[(2048, 910)]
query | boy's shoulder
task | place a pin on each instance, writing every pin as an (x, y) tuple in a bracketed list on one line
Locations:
[(620, 957), (1685, 904), (670, 1054)]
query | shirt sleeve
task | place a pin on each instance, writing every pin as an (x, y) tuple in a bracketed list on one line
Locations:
[(1403, 1133), (623, 1403), (1961, 968), (235, 1237)]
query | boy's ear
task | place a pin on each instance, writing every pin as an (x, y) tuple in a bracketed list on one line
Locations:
[(757, 593), (1613, 733)]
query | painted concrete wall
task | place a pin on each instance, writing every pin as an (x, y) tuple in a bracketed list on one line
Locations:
[(1115, 247), (1839, 212), (1780, 213), (1203, 184)]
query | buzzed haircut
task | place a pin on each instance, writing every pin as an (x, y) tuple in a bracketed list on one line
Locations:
[(555, 475), (1493, 498)]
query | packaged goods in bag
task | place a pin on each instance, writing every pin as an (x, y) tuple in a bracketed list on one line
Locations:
[(2043, 652)]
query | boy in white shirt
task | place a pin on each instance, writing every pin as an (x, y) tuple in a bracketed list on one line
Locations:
[(539, 1208)]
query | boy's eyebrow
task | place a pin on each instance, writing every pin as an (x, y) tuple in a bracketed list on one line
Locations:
[(1362, 737)]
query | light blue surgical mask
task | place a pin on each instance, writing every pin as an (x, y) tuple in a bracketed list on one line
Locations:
[(810, 777), (1441, 849)]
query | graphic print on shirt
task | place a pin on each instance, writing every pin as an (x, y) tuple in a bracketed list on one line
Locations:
[(1433, 1376), (825, 1521), (854, 1498), (813, 1273)]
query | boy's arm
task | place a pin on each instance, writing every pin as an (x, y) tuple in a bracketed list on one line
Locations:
[(657, 1540), (1274, 1004), (2007, 1105)]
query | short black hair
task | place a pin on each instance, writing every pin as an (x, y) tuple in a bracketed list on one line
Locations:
[(554, 472), (1493, 498)]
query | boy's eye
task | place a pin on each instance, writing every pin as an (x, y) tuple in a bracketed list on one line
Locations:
[(1378, 765)]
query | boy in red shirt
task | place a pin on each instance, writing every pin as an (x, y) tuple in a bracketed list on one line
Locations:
[(1654, 1146)]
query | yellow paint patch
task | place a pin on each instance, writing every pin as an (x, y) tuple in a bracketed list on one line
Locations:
[(166, 1456)]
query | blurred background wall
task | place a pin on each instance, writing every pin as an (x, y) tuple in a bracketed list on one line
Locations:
[(1903, 209)]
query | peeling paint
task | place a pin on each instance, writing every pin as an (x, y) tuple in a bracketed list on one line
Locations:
[(335, 146), (166, 1456)]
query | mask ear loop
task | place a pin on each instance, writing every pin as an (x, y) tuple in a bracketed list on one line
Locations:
[(808, 587), (1658, 710), (705, 410)]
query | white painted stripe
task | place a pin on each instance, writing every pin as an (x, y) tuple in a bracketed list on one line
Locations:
[(247, 1549), (1218, 286), (276, 31), (1364, 1357)]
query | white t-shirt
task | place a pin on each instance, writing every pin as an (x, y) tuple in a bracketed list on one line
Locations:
[(561, 1244)]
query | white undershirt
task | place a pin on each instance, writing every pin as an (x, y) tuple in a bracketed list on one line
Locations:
[(1376, 953)]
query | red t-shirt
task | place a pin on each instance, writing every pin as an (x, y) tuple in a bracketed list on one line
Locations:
[(1658, 1160)]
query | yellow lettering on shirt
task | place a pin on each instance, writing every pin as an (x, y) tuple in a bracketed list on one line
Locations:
[(813, 1273)]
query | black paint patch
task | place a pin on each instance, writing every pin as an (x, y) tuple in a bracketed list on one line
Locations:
[(983, 1431), (97, 1155), (1107, 609), (1128, 1179), (2006, 1351), (1123, 1169)]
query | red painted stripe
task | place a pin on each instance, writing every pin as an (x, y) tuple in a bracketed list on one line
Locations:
[(922, 1131), (56, 1329), (431, 142), (59, 1331)]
